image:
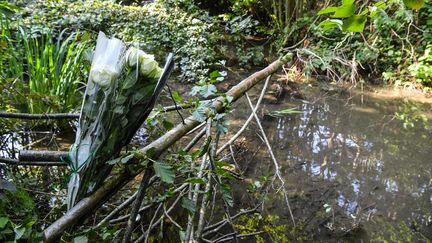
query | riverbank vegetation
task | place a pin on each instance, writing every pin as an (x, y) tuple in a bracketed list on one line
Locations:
[(46, 52)]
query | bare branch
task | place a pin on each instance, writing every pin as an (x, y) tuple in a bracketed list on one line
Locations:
[(113, 184)]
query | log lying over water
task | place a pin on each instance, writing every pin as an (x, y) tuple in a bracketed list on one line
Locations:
[(59, 116), (87, 205), (45, 156)]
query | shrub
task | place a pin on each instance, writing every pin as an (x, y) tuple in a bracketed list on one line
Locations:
[(159, 28)]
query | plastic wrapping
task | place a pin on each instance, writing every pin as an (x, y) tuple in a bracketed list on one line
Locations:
[(120, 94)]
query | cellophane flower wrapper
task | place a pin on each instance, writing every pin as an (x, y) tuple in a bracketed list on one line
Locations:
[(120, 94)]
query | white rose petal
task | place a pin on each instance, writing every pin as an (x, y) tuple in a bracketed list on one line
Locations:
[(103, 75)]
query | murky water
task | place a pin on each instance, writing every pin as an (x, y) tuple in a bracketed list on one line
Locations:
[(365, 161), (356, 166)]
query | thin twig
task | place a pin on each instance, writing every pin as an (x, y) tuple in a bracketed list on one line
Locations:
[(230, 236), (143, 236), (175, 103), (195, 140), (217, 226), (193, 196), (233, 138), (118, 209), (151, 223), (136, 206), (276, 164)]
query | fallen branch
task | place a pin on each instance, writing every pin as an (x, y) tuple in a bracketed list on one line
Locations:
[(88, 204), (245, 125), (30, 163), (45, 156), (276, 164), (59, 116), (28, 116)]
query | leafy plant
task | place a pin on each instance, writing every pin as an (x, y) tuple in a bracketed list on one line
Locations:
[(422, 69), (345, 17), (159, 27), (42, 72)]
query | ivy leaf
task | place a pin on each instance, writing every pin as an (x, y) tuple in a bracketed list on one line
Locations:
[(208, 90), (204, 90), (188, 205), (414, 4), (344, 11), (201, 112), (164, 171), (355, 23)]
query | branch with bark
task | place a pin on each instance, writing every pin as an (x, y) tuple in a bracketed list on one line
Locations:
[(89, 204)]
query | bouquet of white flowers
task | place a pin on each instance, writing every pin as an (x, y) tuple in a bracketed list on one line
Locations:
[(120, 94)]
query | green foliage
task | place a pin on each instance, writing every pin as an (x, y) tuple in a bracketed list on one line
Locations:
[(158, 27), (164, 171), (344, 16), (17, 217), (422, 69), (42, 72), (391, 42), (400, 232)]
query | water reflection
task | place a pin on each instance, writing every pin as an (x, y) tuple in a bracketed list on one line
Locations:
[(377, 159)]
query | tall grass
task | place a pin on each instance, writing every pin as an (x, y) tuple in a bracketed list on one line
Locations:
[(54, 70), (43, 72)]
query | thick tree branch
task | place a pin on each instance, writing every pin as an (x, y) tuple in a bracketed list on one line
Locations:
[(114, 183), (58, 116)]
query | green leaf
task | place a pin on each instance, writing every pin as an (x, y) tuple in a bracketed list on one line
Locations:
[(19, 232), (205, 147), (121, 160), (414, 4), (3, 222), (196, 181), (226, 194), (208, 90), (215, 74), (331, 24), (176, 96), (167, 124), (327, 10), (164, 171), (345, 2), (188, 205), (344, 11), (80, 239), (380, 5), (355, 23)]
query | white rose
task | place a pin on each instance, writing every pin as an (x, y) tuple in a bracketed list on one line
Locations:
[(103, 75), (147, 66), (133, 55)]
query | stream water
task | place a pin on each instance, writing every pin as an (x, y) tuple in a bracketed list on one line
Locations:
[(356, 165)]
